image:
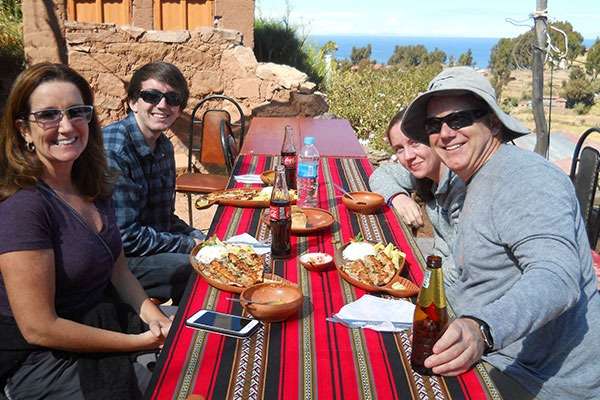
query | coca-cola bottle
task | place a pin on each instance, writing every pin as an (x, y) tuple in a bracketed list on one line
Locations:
[(431, 316), (280, 216), (288, 157)]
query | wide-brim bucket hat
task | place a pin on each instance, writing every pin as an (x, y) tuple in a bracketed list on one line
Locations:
[(457, 81)]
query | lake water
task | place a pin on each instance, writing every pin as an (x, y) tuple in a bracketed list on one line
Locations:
[(383, 46)]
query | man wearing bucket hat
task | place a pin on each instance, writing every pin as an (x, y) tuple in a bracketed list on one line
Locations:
[(525, 296)]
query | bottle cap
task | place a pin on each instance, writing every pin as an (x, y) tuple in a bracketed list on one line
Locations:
[(309, 140)]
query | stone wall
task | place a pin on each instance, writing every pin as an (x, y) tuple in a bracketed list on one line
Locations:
[(237, 15), (44, 24), (212, 61), (43, 30)]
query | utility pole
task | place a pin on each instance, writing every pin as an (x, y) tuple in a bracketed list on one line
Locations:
[(537, 71)]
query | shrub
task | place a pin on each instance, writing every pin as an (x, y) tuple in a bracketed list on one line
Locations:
[(361, 55), (369, 97), (279, 42), (582, 109), (412, 56), (11, 36), (578, 90)]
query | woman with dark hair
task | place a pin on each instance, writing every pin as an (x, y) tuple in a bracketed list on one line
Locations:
[(419, 170), (60, 251)]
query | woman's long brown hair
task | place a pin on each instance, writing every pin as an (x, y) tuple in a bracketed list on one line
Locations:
[(20, 168)]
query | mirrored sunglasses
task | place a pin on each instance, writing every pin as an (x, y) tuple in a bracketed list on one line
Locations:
[(154, 97), (51, 117), (455, 121)]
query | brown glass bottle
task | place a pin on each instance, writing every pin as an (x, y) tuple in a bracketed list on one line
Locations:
[(289, 158), (431, 316), (280, 217)]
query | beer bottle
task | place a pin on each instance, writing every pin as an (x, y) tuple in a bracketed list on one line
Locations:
[(280, 216), (431, 316), (288, 157)]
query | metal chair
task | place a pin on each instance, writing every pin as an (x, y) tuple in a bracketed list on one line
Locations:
[(217, 149), (585, 169)]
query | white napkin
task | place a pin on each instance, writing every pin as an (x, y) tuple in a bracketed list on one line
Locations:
[(245, 238), (248, 178), (384, 315)]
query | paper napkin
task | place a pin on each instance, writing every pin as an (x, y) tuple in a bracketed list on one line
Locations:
[(245, 238), (384, 315), (248, 178)]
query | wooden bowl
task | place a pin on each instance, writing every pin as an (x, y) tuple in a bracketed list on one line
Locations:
[(363, 202), (284, 301), (316, 261)]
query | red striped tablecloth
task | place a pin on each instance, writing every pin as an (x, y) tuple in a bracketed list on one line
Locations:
[(307, 357)]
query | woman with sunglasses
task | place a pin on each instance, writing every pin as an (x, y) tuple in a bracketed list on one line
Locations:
[(60, 251), (420, 170)]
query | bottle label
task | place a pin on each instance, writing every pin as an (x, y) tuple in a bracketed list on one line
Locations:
[(278, 213), (289, 161), (426, 279), (307, 170)]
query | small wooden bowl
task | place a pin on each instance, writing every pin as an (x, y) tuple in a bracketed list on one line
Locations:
[(286, 301), (323, 262), (364, 202)]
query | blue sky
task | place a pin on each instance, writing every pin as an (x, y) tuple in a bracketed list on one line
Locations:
[(457, 18)]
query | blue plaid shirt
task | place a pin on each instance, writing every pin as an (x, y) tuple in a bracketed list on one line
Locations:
[(144, 194)]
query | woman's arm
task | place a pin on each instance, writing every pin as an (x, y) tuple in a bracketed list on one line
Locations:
[(29, 280), (394, 183), (132, 293)]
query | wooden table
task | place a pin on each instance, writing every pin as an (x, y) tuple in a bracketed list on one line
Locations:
[(333, 137), (306, 357)]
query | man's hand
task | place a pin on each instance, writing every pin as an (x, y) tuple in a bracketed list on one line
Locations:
[(458, 349), (409, 210)]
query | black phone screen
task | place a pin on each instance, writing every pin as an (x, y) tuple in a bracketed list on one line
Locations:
[(223, 321)]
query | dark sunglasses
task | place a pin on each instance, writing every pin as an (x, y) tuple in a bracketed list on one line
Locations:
[(455, 121), (51, 117), (154, 97)]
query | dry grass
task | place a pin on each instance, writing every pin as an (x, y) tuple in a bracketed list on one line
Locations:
[(563, 120)]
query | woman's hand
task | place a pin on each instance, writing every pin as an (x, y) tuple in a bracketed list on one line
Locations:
[(409, 210), (458, 349)]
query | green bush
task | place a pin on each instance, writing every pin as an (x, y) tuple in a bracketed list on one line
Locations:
[(361, 55), (279, 42), (582, 109), (11, 36), (578, 90), (412, 56), (370, 97)]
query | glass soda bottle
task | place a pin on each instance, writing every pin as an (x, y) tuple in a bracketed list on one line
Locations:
[(431, 316), (280, 216), (308, 174), (288, 157)]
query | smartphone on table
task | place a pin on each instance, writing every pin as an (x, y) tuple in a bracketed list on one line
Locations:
[(225, 324)]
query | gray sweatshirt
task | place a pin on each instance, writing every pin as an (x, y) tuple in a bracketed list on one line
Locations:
[(443, 211), (524, 267)]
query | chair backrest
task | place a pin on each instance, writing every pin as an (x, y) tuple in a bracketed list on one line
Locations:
[(585, 169), (211, 151), (229, 146), (212, 154)]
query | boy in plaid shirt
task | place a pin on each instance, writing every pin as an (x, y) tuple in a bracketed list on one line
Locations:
[(156, 242)]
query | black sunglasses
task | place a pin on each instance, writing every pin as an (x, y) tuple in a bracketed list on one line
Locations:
[(51, 117), (154, 97), (455, 121)]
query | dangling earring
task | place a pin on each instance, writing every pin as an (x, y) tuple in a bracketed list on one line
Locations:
[(30, 147)]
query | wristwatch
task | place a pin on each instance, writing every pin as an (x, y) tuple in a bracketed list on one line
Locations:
[(484, 328)]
